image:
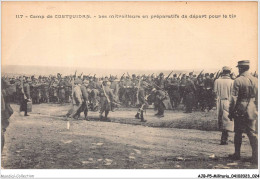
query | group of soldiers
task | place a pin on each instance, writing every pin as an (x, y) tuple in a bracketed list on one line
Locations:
[(195, 92), (236, 97)]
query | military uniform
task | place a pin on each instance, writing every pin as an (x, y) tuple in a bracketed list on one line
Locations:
[(162, 101), (189, 92), (209, 95), (84, 104), (141, 101), (243, 109), (6, 110), (106, 98), (223, 89)]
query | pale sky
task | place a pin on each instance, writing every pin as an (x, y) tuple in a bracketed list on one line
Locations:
[(129, 43)]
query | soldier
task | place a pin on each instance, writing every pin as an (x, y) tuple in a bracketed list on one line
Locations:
[(201, 92), (182, 88), (84, 105), (162, 101), (173, 91), (115, 87), (61, 91), (128, 91), (223, 88), (133, 89), (106, 98), (6, 110), (24, 95), (160, 81), (208, 86), (93, 97), (141, 100), (243, 109), (189, 93), (76, 100), (68, 89)]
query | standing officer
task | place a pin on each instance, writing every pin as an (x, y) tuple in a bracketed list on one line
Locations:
[(243, 109), (222, 88), (189, 92)]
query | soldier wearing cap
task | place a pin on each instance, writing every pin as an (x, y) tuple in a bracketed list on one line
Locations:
[(222, 88), (243, 109), (141, 100), (106, 98)]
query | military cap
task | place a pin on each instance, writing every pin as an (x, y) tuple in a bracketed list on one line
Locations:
[(133, 75), (175, 75), (161, 74), (206, 74), (191, 73), (243, 63), (226, 68)]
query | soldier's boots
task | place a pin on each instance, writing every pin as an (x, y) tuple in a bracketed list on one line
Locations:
[(237, 142), (137, 116), (86, 118), (142, 116), (106, 118), (234, 156)]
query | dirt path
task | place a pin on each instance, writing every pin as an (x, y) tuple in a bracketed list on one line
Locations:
[(42, 141)]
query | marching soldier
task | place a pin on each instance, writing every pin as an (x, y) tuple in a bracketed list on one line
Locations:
[(106, 98), (84, 104), (76, 100), (243, 109), (141, 100), (223, 88)]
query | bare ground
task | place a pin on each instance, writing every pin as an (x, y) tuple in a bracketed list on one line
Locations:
[(42, 141)]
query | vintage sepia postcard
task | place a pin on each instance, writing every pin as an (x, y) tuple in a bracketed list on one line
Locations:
[(129, 85)]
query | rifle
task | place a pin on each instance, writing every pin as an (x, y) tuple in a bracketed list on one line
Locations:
[(128, 75), (81, 74), (122, 76), (218, 75), (255, 74), (200, 72), (168, 76), (179, 75), (75, 75)]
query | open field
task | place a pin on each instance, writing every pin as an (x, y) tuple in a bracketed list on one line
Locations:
[(188, 141)]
